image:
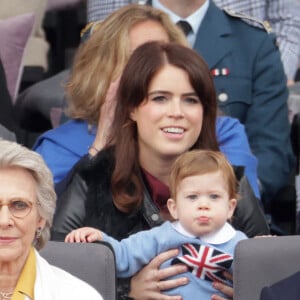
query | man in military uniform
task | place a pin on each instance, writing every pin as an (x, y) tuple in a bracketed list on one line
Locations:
[(249, 79), (284, 17)]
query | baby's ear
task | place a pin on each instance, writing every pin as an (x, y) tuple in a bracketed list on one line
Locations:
[(172, 207), (232, 205)]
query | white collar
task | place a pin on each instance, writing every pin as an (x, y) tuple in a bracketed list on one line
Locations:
[(195, 19), (223, 235)]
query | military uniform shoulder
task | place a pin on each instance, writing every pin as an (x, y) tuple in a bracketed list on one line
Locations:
[(249, 19)]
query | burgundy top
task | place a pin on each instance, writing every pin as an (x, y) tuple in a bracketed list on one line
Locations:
[(159, 191)]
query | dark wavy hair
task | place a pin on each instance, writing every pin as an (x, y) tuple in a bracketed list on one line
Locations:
[(145, 62)]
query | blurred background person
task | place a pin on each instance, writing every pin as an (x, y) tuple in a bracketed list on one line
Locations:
[(284, 21)]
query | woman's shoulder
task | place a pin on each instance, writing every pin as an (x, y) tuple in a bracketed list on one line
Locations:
[(102, 164), (60, 283), (69, 130), (228, 123), (230, 132), (73, 135)]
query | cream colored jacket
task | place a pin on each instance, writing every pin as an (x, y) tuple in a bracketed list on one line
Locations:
[(53, 283)]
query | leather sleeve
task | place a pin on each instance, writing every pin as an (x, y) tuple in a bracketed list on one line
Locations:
[(249, 216), (123, 289), (70, 212)]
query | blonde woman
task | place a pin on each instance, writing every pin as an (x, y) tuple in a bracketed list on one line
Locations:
[(98, 63)]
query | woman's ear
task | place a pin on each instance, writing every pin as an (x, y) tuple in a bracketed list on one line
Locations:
[(133, 115), (41, 223), (172, 207)]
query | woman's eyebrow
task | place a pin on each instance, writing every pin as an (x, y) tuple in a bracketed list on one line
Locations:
[(159, 92), (169, 93)]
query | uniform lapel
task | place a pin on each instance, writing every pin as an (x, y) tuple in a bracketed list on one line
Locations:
[(212, 40)]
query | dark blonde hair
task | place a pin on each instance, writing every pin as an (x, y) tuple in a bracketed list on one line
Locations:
[(199, 162), (101, 59), (145, 62)]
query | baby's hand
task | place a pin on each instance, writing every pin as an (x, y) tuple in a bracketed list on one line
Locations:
[(84, 235)]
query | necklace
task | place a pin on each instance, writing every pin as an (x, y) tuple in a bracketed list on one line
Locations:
[(6, 295)]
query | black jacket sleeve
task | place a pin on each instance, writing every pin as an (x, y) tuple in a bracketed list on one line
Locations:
[(249, 216), (70, 211)]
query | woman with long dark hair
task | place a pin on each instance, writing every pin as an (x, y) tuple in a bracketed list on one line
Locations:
[(165, 106)]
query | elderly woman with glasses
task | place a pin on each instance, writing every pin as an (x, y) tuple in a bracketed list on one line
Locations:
[(27, 204)]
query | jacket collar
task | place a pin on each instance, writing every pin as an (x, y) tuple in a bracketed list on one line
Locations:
[(221, 236), (213, 32), (150, 211)]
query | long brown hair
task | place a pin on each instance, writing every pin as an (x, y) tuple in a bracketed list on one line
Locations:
[(142, 66)]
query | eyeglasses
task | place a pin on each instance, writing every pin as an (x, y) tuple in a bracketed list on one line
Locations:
[(18, 208)]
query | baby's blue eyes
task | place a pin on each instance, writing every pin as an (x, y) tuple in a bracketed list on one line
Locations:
[(194, 197)]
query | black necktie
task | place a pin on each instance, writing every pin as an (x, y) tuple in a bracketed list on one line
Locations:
[(185, 27)]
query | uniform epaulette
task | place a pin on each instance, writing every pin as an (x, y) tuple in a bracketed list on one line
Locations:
[(264, 24)]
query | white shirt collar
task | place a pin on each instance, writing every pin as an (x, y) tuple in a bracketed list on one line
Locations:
[(223, 235), (195, 19)]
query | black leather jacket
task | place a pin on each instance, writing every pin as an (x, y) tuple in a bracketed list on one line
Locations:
[(86, 200)]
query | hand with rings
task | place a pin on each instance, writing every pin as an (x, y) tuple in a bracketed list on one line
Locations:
[(150, 281), (223, 288), (157, 285)]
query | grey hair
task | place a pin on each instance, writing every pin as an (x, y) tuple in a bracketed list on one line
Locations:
[(15, 155)]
